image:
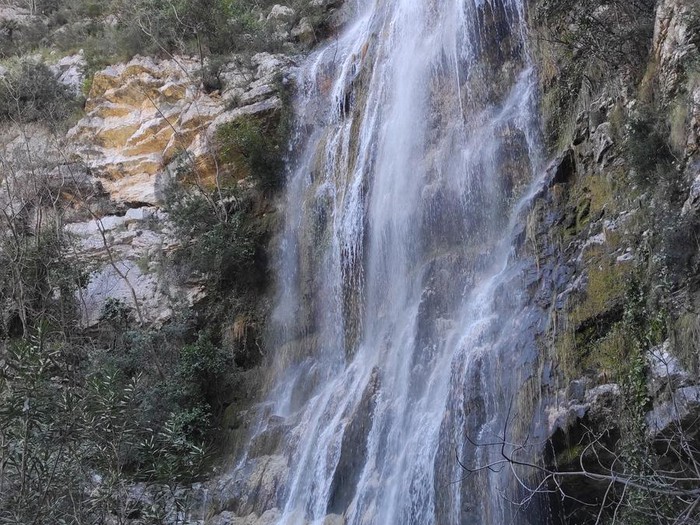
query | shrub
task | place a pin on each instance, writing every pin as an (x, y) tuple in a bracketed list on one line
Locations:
[(616, 32), (647, 146), (30, 92), (259, 143), (218, 240)]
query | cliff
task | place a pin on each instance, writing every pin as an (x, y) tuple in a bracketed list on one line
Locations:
[(141, 199), (615, 233)]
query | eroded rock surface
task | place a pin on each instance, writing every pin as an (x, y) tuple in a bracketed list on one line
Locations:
[(144, 121), (146, 115)]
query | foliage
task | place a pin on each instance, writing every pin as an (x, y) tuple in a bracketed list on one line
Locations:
[(647, 146), (259, 144), (76, 432), (36, 279), (72, 443), (579, 44), (250, 142), (86, 413), (218, 241), (38, 414), (30, 92), (615, 32), (161, 27)]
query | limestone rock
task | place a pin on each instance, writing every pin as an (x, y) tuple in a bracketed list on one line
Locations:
[(16, 14), (280, 20), (70, 71), (602, 140), (258, 488), (594, 402), (304, 32), (682, 410), (126, 250), (144, 115), (665, 370), (281, 14), (673, 43), (326, 3), (229, 518), (692, 203)]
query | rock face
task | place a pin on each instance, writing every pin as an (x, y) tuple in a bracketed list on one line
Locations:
[(675, 40), (144, 121), (127, 251), (611, 232), (145, 116), (70, 71)]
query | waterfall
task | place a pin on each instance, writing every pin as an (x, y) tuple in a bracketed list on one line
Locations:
[(402, 331)]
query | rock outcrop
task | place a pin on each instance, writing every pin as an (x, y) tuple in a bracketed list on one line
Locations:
[(612, 232), (145, 116), (145, 120)]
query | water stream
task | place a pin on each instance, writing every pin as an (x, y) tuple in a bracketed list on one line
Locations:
[(402, 323)]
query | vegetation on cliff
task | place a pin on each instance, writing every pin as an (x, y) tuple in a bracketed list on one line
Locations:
[(618, 81), (105, 423), (109, 422)]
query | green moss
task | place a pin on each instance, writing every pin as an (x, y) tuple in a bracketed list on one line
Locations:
[(678, 119), (685, 334), (569, 455), (605, 290)]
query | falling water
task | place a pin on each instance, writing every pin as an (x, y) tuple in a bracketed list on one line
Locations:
[(402, 329)]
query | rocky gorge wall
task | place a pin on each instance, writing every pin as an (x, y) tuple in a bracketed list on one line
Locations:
[(613, 235), (615, 232)]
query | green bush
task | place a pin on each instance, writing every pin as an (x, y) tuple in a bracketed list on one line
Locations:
[(30, 92), (218, 240), (201, 363), (647, 146), (66, 428), (259, 144)]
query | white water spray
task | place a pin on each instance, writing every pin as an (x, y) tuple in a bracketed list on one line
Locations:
[(400, 325)]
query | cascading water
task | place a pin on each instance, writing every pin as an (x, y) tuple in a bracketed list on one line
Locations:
[(402, 326)]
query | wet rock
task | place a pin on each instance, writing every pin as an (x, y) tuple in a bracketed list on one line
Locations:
[(268, 441), (576, 390), (562, 169), (256, 489), (270, 517), (353, 450)]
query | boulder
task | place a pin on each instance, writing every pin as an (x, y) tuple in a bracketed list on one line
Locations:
[(70, 71)]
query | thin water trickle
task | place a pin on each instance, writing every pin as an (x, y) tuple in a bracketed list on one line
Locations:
[(401, 325)]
